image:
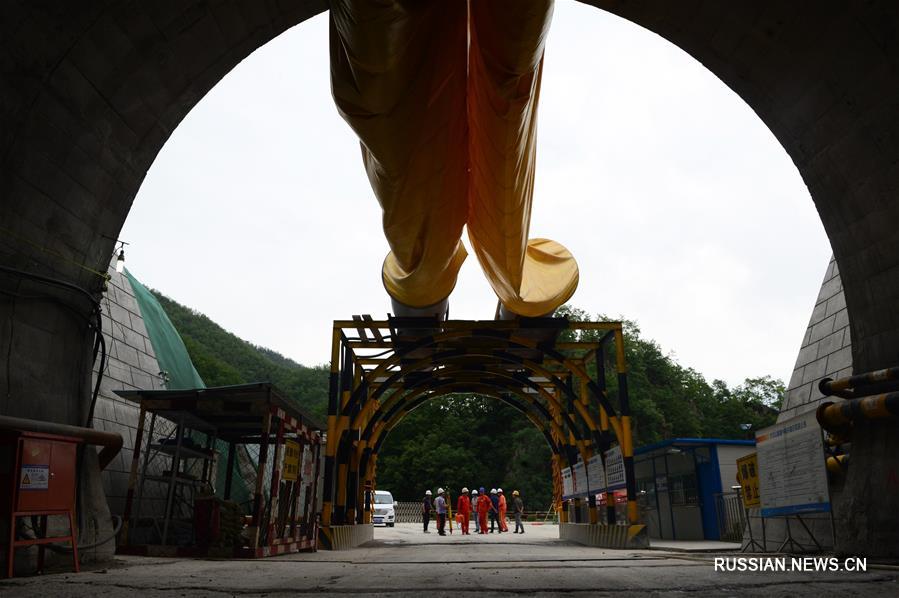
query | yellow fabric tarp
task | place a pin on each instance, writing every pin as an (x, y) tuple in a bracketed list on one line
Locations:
[(443, 95)]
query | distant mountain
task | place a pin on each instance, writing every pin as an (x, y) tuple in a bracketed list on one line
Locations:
[(221, 359)]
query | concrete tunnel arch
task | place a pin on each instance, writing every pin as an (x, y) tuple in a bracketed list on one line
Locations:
[(86, 110)]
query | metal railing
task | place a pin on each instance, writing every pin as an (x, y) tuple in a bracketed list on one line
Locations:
[(408, 512), (731, 516)]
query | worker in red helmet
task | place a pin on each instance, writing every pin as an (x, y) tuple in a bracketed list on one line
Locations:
[(484, 506), (463, 508)]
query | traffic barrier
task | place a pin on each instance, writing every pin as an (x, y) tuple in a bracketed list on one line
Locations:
[(605, 536), (344, 537)]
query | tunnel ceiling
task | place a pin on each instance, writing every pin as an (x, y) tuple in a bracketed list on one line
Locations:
[(91, 91)]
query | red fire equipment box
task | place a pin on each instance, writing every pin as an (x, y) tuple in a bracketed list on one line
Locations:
[(37, 480)]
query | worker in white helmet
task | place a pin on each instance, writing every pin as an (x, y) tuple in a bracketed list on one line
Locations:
[(502, 508), (426, 511), (474, 511), (484, 506), (440, 506), (463, 509)]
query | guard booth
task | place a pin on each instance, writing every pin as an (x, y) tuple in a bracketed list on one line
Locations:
[(226, 471), (679, 481)]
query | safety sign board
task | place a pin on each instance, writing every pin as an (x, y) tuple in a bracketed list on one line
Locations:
[(748, 477), (35, 477), (291, 461)]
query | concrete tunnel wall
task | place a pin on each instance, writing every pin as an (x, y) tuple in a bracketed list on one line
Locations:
[(90, 91)]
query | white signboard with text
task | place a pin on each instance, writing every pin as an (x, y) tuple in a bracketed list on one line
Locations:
[(596, 475), (567, 483), (579, 472), (615, 478), (792, 471)]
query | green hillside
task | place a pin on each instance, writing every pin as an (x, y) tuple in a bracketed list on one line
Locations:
[(222, 358), (464, 440)]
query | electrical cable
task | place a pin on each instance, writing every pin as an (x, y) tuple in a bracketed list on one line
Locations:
[(99, 343), (55, 253), (96, 326)]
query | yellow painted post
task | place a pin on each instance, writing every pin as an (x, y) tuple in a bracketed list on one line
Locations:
[(627, 442), (333, 435)]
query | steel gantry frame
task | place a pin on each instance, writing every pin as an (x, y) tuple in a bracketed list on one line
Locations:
[(383, 369)]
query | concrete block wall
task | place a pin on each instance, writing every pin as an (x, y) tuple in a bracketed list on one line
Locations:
[(131, 364), (826, 350)]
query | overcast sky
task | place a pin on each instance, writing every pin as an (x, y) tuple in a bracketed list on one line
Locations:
[(683, 211)]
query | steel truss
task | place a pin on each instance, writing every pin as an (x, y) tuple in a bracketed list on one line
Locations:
[(383, 369)]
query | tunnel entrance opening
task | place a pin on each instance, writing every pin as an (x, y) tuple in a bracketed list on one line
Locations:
[(96, 101), (382, 370), (465, 441)]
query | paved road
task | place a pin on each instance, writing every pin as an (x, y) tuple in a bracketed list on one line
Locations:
[(404, 562)]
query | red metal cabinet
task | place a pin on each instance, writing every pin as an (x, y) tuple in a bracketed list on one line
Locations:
[(46, 475), (37, 479)]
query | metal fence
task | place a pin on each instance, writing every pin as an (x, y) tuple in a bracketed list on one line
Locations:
[(731, 516), (408, 512)]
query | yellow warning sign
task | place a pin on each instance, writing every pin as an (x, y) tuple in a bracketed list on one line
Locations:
[(291, 466), (748, 477)]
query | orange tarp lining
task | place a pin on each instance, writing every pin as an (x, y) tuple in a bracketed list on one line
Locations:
[(443, 96)]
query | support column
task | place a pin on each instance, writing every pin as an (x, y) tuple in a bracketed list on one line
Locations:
[(627, 444), (331, 443)]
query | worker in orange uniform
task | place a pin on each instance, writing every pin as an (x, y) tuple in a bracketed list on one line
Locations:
[(463, 508), (484, 506), (502, 511)]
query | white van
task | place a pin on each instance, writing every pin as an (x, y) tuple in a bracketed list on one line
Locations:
[(384, 509)]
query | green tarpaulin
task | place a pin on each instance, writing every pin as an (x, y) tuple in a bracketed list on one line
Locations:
[(167, 344), (174, 359)]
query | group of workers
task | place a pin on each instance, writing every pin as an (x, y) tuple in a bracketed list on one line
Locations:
[(478, 504)]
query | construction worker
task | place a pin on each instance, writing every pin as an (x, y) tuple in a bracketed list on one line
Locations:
[(494, 510), (518, 510), (474, 510), (440, 506), (463, 508), (502, 508), (484, 507), (426, 510)]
